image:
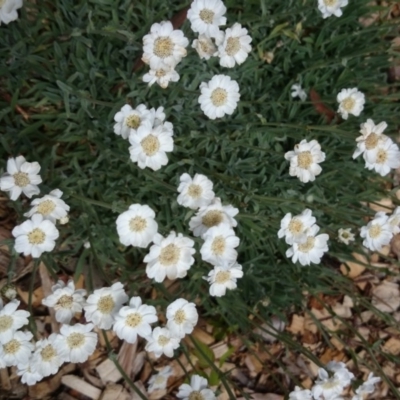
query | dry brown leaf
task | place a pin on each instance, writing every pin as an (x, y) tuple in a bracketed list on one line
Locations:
[(81, 386), (352, 269), (386, 296), (108, 372), (392, 346), (115, 392), (297, 325)]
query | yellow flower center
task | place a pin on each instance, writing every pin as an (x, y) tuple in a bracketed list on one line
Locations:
[(345, 235), (180, 317), (160, 73), (382, 156), (137, 224), (169, 255), (75, 340), (371, 141), (207, 16), (304, 159), (330, 3), (133, 320), (48, 353), (308, 245), (106, 304), (232, 46), (163, 47), (219, 97), (295, 226), (160, 380), (204, 46), (212, 218), (196, 395), (218, 245), (12, 347), (46, 207), (150, 145), (163, 340), (375, 231), (222, 277), (133, 121), (2, 2), (21, 179), (194, 191), (37, 236), (348, 104), (64, 301), (6, 323)]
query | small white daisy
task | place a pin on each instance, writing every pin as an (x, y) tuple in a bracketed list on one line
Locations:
[(12, 319), (295, 229), (197, 390), (35, 236), (223, 277), (204, 46), (394, 221), (129, 120), (219, 245), (367, 387), (377, 233), (345, 236), (351, 101), (219, 96), (162, 342), (195, 193), (66, 301), (206, 16), (136, 226), (385, 158), (182, 317), (104, 304), (28, 373), (150, 145), (331, 7), (164, 46), (77, 342), (17, 350), (21, 177), (8, 10), (312, 250), (50, 206), (340, 370), (169, 257), (300, 394), (212, 215), (159, 381), (297, 91), (235, 47), (134, 320), (305, 159), (328, 387), (163, 76), (46, 358)]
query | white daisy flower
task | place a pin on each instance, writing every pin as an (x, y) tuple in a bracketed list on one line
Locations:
[(163, 76), (150, 145), (351, 101), (300, 394), (28, 373), (158, 116), (12, 319), (394, 221), (212, 215), (385, 158), (104, 304), (159, 381), (46, 359), (195, 193), (50, 206), (206, 16), (328, 387), (164, 46), (235, 47), (17, 350), (377, 233), (35, 236), (129, 120), (223, 277), (312, 250), (169, 257), (182, 317), (196, 390), (219, 245), (204, 46), (219, 96), (305, 159), (8, 10), (331, 7), (345, 236), (295, 229), (21, 177), (297, 91), (367, 387), (162, 342), (66, 301), (134, 320), (340, 369), (136, 226), (371, 137), (77, 342)]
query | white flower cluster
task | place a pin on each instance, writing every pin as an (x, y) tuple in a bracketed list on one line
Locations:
[(331, 7), (150, 136), (331, 384), (300, 231), (39, 233), (8, 10)]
